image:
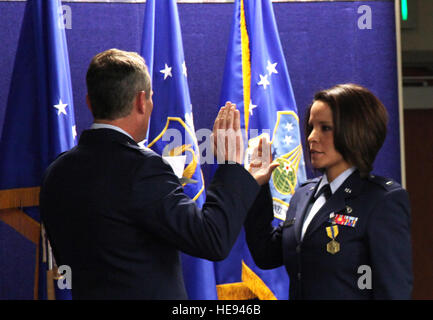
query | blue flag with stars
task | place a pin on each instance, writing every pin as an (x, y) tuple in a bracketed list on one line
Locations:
[(257, 81), (171, 130), (39, 125)]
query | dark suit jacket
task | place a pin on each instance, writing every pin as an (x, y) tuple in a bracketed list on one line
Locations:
[(117, 215), (379, 240)]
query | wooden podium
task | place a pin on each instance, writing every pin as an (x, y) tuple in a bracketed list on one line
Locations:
[(12, 202)]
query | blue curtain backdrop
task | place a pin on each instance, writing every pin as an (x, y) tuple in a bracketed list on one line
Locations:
[(321, 41)]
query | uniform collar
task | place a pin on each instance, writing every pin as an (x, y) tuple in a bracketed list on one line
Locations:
[(109, 126), (104, 135), (337, 182)]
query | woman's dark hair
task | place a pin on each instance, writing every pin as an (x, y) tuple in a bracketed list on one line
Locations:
[(360, 123)]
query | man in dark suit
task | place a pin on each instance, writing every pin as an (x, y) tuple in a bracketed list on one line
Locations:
[(116, 213)]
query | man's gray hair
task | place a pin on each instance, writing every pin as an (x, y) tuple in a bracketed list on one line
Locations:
[(113, 80)]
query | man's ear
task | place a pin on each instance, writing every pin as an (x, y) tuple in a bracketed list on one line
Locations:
[(140, 102), (89, 105)]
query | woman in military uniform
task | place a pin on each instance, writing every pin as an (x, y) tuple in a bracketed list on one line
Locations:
[(346, 233)]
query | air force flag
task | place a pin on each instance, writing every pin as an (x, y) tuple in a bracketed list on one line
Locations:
[(171, 132), (257, 81), (39, 125)]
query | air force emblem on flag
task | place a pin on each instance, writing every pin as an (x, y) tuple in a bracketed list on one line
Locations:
[(287, 150), (170, 140)]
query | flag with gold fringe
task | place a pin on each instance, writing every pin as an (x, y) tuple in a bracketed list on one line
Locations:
[(39, 125), (257, 81)]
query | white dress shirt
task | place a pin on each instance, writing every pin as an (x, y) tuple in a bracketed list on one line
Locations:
[(109, 126), (141, 144), (334, 185)]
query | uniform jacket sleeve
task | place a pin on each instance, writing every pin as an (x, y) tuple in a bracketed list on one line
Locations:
[(389, 241), (264, 241), (162, 208)]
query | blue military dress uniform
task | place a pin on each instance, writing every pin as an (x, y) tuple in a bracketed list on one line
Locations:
[(118, 216), (368, 219)]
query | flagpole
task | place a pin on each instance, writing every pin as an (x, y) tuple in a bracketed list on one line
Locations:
[(51, 292), (400, 93)]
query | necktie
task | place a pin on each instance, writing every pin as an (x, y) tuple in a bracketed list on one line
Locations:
[(314, 207), (326, 191)]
